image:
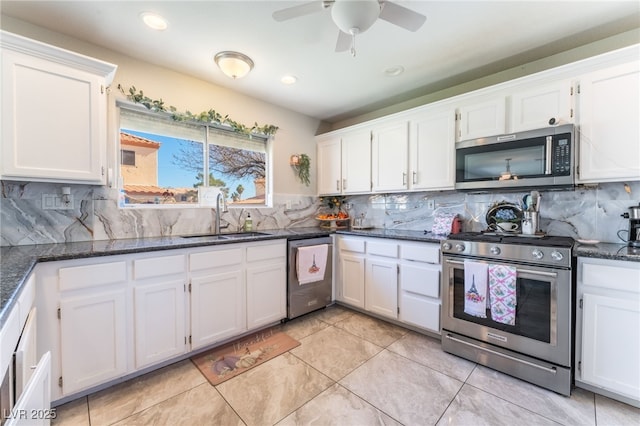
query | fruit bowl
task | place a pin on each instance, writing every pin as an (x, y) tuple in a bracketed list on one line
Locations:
[(333, 220)]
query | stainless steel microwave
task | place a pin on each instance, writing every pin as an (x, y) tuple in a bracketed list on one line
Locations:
[(541, 158)]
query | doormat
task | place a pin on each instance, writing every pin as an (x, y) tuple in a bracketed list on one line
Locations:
[(222, 363)]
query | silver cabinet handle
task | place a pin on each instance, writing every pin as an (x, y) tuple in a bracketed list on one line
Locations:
[(415, 178), (344, 184), (404, 178), (338, 185)]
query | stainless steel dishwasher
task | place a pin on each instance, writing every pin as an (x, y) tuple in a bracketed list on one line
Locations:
[(305, 298)]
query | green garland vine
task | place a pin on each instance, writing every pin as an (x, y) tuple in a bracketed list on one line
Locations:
[(210, 116)]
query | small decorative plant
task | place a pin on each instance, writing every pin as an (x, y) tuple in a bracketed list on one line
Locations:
[(302, 168)]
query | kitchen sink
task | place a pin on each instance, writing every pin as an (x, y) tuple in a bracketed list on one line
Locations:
[(230, 236)]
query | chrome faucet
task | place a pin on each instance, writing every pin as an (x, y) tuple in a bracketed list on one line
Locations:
[(218, 212)]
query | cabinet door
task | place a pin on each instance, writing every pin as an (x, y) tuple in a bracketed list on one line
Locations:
[(611, 344), (420, 295), (34, 405), (26, 356), (352, 279), (93, 331), (381, 287), (356, 162), (159, 312), (610, 124), (53, 121), (217, 307), (534, 108), (266, 294), (389, 157), (329, 166), (482, 119), (432, 150)]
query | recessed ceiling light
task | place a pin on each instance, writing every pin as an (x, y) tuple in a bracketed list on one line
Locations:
[(154, 21), (289, 79), (394, 71)]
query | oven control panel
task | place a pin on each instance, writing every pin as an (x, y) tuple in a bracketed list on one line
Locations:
[(552, 256)]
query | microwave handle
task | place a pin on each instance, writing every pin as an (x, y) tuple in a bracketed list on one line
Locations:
[(522, 271), (549, 156)]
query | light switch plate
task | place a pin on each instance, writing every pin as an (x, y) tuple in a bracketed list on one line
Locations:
[(54, 202)]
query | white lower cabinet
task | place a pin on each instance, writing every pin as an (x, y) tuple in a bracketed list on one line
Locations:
[(106, 317), (607, 337), (92, 309), (33, 406), (266, 284), (396, 279)]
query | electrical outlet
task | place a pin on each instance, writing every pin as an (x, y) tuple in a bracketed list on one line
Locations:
[(55, 202), (431, 204), (288, 205)]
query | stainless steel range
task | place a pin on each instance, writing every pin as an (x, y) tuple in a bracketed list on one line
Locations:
[(508, 305)]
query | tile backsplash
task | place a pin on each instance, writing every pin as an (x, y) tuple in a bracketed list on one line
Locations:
[(588, 213)]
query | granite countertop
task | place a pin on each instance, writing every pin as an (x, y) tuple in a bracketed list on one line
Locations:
[(607, 251), (17, 262)]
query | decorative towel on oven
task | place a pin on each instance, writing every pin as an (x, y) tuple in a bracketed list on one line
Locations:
[(475, 288), (311, 263), (502, 291)]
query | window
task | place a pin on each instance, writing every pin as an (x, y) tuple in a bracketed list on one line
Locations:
[(127, 158), (178, 162)]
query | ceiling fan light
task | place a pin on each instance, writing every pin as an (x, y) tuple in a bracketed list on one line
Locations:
[(355, 14), (233, 64)]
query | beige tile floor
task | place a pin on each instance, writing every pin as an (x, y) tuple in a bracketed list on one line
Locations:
[(350, 369)]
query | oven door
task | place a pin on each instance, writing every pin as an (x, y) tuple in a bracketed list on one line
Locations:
[(543, 312)]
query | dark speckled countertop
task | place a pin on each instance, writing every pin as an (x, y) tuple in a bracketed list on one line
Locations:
[(17, 262)]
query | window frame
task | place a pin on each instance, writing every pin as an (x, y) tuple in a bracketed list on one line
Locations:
[(142, 110)]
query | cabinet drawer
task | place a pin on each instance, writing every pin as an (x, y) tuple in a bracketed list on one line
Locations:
[(271, 251), (92, 275), (380, 248), (349, 244), (158, 266), (617, 275), (420, 279), (215, 259), (420, 252), (417, 310)]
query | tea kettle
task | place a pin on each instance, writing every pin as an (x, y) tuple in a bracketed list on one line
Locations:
[(634, 225)]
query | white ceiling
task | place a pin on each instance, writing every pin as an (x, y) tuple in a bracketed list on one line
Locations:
[(461, 40)]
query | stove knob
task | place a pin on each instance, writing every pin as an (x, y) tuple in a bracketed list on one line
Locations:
[(495, 250), (460, 247), (556, 255), (446, 246), (537, 254)]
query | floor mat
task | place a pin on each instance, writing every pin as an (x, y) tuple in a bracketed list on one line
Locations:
[(224, 362)]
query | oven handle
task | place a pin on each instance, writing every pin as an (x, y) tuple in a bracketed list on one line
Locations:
[(526, 271), (509, 357)]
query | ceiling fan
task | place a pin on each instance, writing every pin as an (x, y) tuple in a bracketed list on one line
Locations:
[(354, 17)]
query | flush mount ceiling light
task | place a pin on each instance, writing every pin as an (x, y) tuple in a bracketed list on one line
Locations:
[(234, 64), (394, 71), (289, 79), (154, 21)]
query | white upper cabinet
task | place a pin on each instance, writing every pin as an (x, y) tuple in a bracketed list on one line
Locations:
[(541, 106), (484, 117), (344, 163), (356, 162), (329, 166), (54, 113), (610, 124), (389, 157), (431, 149)]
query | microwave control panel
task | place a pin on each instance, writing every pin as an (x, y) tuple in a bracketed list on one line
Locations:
[(561, 155)]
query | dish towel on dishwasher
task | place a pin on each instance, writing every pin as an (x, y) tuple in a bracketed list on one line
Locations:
[(475, 288), (502, 290), (311, 263)]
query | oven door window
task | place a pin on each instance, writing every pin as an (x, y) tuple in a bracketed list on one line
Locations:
[(535, 309)]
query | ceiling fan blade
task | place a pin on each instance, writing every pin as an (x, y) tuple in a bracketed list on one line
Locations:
[(344, 42), (300, 10), (401, 16)]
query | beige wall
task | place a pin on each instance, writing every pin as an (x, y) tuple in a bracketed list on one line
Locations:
[(295, 136)]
